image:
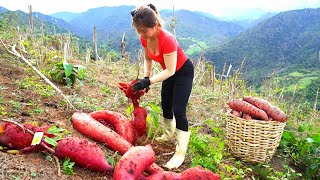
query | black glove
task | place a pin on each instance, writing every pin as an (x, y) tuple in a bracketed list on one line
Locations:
[(141, 84), (147, 88)]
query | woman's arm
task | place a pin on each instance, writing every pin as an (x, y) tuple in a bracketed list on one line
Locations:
[(170, 60), (147, 66)]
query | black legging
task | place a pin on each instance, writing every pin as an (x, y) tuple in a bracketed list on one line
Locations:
[(175, 94)]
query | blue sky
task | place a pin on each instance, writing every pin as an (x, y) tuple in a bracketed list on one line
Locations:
[(219, 8)]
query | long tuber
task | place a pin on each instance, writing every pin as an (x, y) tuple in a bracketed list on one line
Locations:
[(84, 153), (248, 108), (121, 124), (274, 112), (88, 126), (134, 162)]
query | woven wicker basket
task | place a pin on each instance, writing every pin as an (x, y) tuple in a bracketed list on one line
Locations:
[(253, 140)]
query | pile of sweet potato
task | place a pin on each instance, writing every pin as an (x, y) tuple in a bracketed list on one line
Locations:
[(81, 151), (256, 108), (115, 131), (108, 127), (136, 159)]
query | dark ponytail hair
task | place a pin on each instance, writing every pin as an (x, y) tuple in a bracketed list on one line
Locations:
[(147, 16), (153, 8)]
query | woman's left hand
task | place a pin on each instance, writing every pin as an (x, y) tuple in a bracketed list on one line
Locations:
[(141, 84)]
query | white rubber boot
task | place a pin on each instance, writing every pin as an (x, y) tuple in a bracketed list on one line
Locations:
[(169, 126), (181, 149)]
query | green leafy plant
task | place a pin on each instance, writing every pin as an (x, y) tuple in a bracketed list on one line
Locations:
[(106, 90), (112, 160), (153, 117), (38, 110), (206, 149), (57, 132), (16, 105), (2, 111), (267, 172), (68, 166), (304, 151), (68, 74), (34, 84)]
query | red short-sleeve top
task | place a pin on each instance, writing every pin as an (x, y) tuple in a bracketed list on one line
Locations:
[(167, 43)]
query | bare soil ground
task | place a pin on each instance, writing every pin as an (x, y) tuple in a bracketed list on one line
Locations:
[(37, 165)]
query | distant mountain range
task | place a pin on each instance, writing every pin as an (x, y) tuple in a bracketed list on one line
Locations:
[(112, 22), (273, 42)]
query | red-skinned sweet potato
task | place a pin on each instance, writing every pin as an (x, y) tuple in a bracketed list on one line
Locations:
[(131, 94), (274, 112), (134, 162), (139, 122), (15, 137), (84, 153), (246, 116), (163, 175), (139, 113), (88, 126), (248, 108), (198, 173), (121, 124), (236, 113)]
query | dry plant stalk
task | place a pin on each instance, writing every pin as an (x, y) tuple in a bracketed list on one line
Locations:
[(213, 77), (234, 84), (224, 68), (315, 101)]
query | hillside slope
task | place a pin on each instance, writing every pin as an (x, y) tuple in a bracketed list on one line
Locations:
[(191, 24), (21, 19), (288, 40)]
